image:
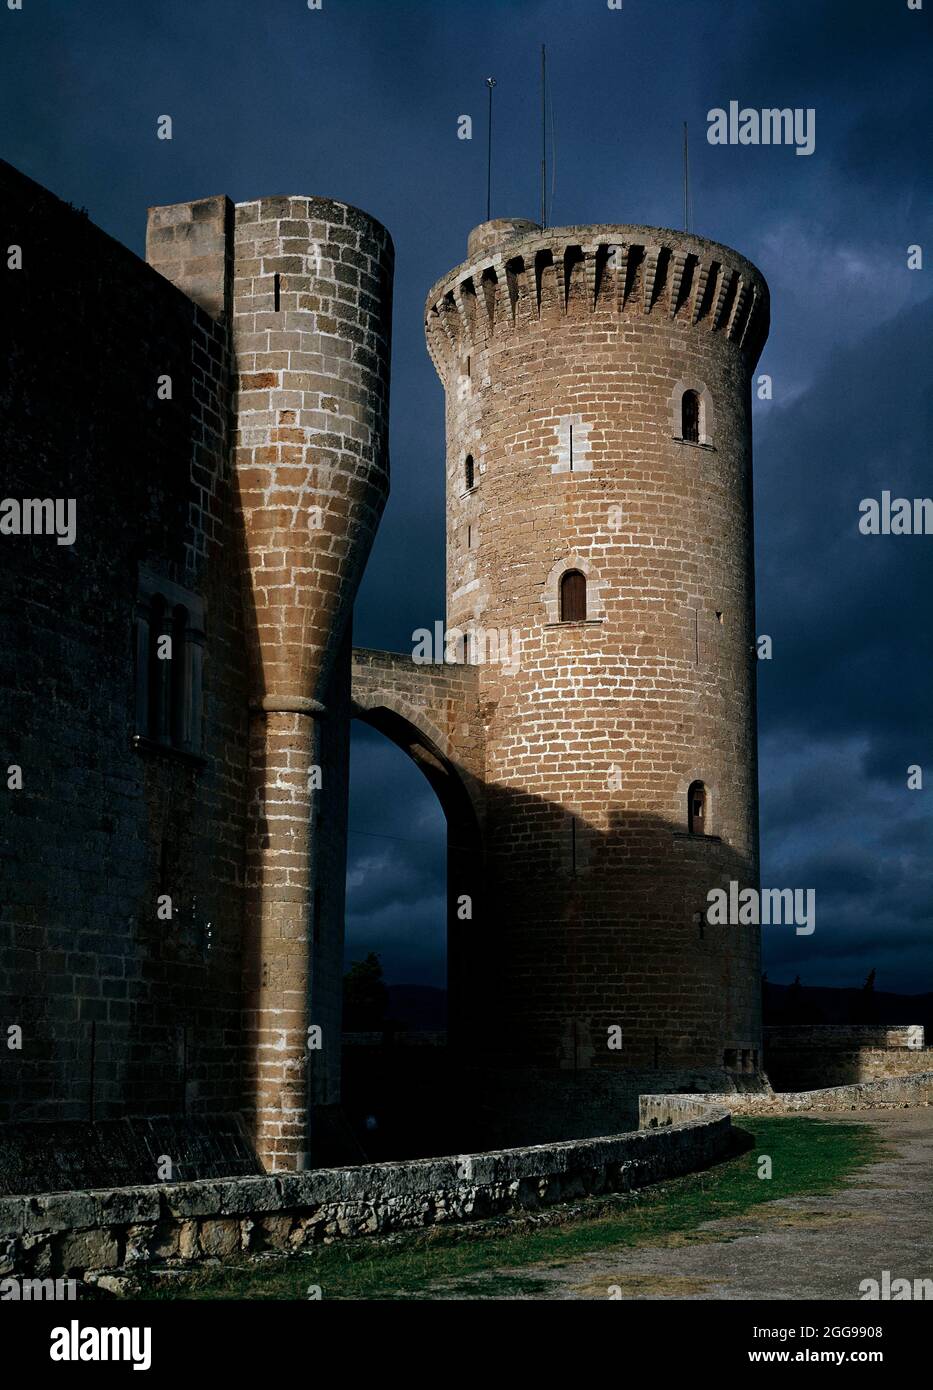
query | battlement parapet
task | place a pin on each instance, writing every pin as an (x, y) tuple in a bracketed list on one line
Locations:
[(611, 269)]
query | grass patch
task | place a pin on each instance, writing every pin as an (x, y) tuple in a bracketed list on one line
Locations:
[(808, 1157)]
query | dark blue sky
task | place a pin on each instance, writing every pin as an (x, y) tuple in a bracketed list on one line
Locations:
[(359, 101)]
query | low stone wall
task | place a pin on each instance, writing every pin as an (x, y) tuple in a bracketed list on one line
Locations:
[(829, 1036), (800, 1057), (885, 1094), (72, 1233), (801, 1070)]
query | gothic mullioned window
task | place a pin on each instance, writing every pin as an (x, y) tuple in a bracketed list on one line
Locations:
[(169, 658)]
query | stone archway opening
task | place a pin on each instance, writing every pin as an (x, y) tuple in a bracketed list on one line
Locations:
[(398, 1051)]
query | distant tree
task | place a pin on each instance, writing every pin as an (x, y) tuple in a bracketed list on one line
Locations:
[(794, 1003), (768, 1002), (866, 1007), (365, 996)]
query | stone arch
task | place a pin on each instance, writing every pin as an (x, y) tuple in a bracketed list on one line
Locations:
[(415, 728), (410, 728)]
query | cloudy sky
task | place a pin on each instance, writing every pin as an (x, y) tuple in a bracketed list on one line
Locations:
[(359, 101)]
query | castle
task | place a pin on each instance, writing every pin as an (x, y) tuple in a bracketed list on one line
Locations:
[(177, 685)]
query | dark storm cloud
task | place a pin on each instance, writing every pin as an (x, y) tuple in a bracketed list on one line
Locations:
[(852, 652), (395, 864), (360, 101)]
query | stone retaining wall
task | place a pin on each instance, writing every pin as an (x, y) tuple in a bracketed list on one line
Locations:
[(885, 1094), (803, 1069), (826, 1037), (72, 1233), (799, 1057)]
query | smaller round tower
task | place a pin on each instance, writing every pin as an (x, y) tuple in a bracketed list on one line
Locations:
[(311, 329)]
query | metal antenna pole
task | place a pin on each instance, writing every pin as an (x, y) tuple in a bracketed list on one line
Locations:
[(686, 182), (543, 136), (490, 83)]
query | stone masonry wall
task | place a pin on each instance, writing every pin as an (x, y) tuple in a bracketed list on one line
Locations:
[(122, 1012)]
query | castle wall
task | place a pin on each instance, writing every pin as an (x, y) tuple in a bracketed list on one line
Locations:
[(564, 356), (122, 1013), (224, 436)]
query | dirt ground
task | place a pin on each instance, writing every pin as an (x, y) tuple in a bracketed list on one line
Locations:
[(799, 1247)]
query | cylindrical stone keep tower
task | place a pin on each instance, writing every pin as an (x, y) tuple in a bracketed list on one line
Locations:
[(599, 531), (311, 327)]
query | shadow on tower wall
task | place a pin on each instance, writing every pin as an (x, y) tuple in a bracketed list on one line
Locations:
[(585, 974)]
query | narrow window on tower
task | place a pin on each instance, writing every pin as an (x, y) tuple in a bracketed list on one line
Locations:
[(277, 291), (696, 808), (573, 597), (468, 472), (690, 417)]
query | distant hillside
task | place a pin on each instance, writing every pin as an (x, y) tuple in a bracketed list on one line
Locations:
[(824, 1004), (421, 1008)]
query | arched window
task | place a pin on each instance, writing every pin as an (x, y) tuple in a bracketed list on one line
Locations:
[(696, 808), (573, 597), (690, 417), (468, 471)]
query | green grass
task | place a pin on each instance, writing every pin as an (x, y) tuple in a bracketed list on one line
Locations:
[(808, 1156)]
